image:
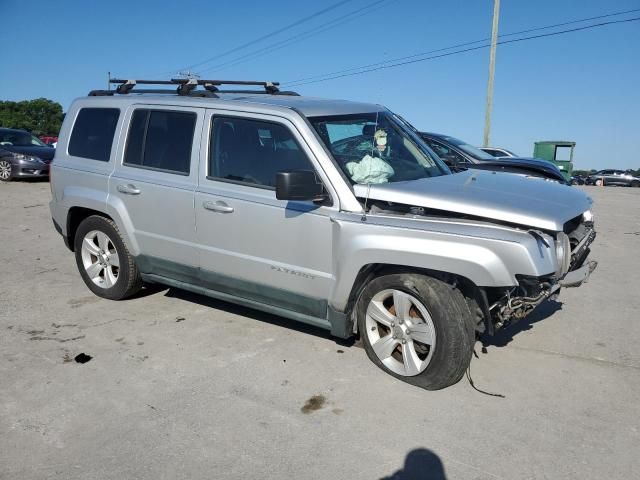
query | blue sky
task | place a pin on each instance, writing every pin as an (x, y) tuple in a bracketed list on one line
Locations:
[(582, 86)]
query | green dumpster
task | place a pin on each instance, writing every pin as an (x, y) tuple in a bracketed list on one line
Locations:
[(557, 152)]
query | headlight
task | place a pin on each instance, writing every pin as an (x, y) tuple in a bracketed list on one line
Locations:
[(587, 216), (563, 254), (26, 158)]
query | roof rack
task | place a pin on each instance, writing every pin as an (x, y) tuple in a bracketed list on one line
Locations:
[(188, 87)]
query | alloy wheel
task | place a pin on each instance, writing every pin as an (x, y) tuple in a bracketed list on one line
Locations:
[(100, 259), (401, 331), (5, 170)]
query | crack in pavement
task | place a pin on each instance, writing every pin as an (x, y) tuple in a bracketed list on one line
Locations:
[(596, 360)]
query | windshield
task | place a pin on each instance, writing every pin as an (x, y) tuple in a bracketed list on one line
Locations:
[(469, 149), (377, 148), (20, 139)]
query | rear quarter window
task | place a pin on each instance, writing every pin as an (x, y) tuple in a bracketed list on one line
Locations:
[(92, 134)]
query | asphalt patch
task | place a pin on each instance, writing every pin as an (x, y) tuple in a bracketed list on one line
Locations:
[(82, 358)]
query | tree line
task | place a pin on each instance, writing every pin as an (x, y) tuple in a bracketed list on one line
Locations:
[(40, 116)]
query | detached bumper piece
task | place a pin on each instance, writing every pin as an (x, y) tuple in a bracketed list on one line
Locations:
[(579, 276), (581, 251)]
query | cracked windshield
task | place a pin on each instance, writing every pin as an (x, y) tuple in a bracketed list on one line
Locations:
[(375, 148)]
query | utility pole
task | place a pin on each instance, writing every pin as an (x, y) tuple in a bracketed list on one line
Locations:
[(109, 81), (492, 68)]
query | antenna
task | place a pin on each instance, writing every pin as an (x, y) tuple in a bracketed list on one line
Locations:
[(366, 200), (189, 74)]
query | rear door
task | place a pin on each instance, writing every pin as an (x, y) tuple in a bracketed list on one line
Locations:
[(154, 180), (253, 245)]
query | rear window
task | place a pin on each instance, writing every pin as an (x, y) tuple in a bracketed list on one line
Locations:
[(160, 140), (92, 134)]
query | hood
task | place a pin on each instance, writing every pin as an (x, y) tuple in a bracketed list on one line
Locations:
[(43, 153), (534, 165), (496, 196)]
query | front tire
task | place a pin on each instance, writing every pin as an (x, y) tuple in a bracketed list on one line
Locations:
[(417, 328), (6, 171), (599, 182), (104, 262)]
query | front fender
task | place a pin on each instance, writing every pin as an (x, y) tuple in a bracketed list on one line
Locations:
[(485, 255)]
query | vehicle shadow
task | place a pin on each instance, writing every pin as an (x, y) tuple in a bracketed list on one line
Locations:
[(504, 336), (32, 180), (420, 464), (147, 290), (255, 315)]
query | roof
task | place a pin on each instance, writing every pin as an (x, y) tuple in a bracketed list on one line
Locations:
[(309, 106), (556, 142)]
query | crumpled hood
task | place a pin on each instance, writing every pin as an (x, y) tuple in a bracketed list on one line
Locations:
[(504, 197)]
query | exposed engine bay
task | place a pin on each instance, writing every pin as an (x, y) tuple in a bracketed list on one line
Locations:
[(500, 307)]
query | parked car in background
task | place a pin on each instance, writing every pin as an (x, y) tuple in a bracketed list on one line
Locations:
[(49, 139), (620, 178), (24, 155), (577, 180), (498, 152), (460, 155)]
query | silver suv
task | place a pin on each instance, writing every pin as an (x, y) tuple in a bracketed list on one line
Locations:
[(332, 213)]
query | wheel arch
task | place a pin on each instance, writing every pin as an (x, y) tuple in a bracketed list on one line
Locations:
[(75, 216), (367, 273)]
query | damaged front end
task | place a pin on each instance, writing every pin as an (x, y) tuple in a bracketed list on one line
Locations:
[(503, 306)]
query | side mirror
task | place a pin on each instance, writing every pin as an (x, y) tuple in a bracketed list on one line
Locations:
[(299, 185)]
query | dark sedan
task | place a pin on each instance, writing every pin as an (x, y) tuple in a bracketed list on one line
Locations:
[(613, 177), (23, 155), (458, 154)]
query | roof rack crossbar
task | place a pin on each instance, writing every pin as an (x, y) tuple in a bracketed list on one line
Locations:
[(153, 91), (188, 87)]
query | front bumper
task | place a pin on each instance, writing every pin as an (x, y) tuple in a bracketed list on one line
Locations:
[(516, 303), (27, 170)]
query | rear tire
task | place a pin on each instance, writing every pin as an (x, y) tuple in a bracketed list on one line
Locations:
[(417, 328), (635, 184), (104, 262)]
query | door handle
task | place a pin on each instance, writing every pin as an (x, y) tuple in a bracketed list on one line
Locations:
[(218, 206), (128, 189)]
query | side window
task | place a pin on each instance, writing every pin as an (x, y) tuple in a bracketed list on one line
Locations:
[(447, 154), (563, 153), (494, 153), (92, 134), (253, 151), (160, 140)]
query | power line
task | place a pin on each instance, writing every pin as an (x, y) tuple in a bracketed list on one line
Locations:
[(459, 45), (399, 64), (268, 35), (366, 10)]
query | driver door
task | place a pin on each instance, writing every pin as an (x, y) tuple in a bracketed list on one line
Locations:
[(252, 245)]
